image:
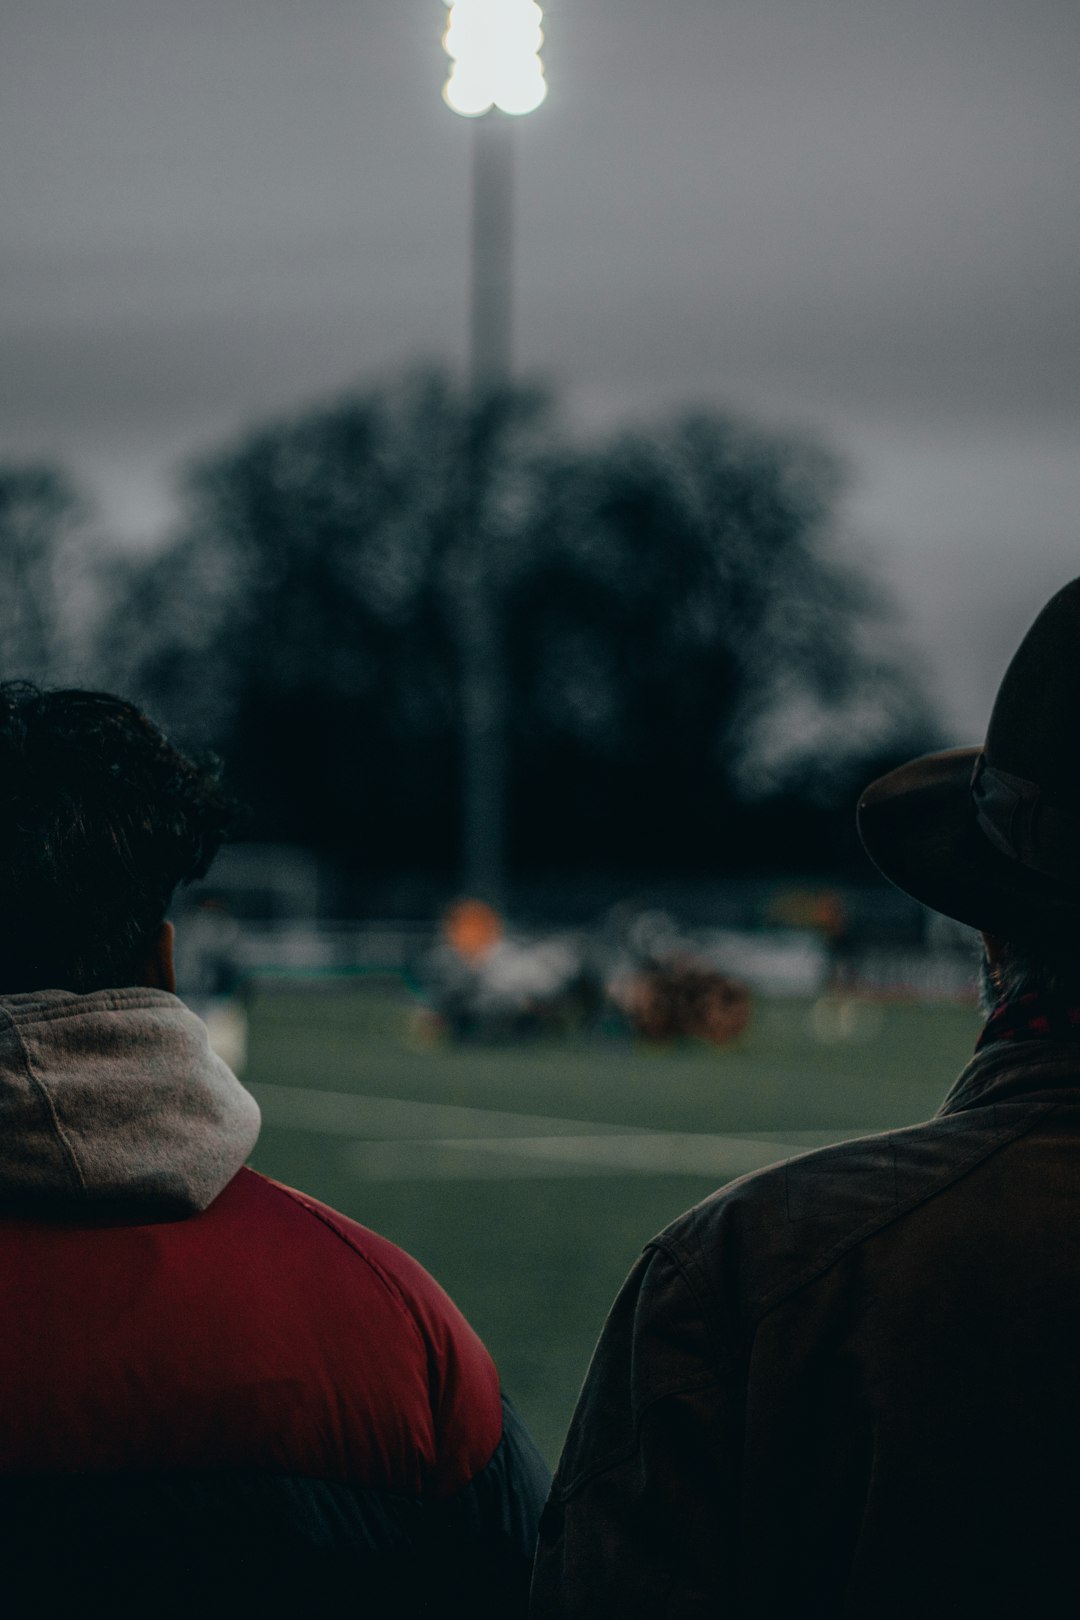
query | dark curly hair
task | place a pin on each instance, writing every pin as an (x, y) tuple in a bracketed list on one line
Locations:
[(100, 819)]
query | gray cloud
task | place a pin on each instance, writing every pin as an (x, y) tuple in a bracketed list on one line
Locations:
[(844, 212)]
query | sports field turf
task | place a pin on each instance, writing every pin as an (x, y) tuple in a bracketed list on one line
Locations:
[(527, 1178)]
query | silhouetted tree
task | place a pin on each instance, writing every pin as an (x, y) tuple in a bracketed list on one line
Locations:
[(679, 638), (41, 517), (688, 646), (309, 618)]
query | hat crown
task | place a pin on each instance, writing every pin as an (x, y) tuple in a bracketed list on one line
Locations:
[(1034, 730), (991, 836)]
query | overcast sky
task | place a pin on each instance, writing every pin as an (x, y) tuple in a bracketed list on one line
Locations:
[(854, 215)]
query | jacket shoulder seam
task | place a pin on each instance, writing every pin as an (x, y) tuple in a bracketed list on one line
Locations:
[(761, 1307), (688, 1268), (708, 1377), (383, 1277)]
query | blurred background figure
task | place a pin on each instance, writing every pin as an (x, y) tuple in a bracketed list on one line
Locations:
[(486, 985), (210, 978), (681, 995)]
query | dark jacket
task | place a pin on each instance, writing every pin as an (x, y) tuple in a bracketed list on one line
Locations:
[(217, 1396), (848, 1384)]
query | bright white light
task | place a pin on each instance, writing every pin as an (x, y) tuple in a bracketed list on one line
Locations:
[(495, 49)]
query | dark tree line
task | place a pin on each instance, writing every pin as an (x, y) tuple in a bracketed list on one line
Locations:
[(43, 583), (690, 676)]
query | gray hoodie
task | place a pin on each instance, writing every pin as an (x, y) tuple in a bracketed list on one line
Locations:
[(114, 1100)]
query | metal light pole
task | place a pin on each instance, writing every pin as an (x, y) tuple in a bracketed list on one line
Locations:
[(496, 77), (491, 291)]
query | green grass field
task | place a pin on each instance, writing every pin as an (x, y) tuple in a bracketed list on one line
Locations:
[(527, 1178)]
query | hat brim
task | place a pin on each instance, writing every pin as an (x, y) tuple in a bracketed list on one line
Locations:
[(919, 827)]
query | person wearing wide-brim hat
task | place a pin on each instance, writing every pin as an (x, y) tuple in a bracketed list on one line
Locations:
[(991, 835), (849, 1384)]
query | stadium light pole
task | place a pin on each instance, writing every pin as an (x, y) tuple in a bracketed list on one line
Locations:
[(496, 76)]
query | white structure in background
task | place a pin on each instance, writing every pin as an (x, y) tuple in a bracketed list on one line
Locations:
[(494, 46), (773, 962), (254, 894)]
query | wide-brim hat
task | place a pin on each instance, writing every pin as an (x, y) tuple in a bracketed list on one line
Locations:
[(991, 835)]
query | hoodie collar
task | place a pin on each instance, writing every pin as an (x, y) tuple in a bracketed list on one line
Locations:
[(114, 1103)]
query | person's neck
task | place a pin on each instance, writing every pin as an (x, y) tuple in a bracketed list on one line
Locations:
[(1032, 1016)]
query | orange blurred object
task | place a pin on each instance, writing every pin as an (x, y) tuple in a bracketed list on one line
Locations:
[(473, 928), (819, 909)]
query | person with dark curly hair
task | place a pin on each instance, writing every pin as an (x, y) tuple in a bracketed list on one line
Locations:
[(217, 1396)]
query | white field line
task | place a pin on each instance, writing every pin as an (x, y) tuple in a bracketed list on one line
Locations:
[(343, 1113), (400, 1140), (652, 1153)]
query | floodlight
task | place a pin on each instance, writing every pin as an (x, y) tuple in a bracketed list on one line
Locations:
[(494, 46)]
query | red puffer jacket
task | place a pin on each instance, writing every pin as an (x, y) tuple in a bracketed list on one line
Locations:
[(219, 1396)]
